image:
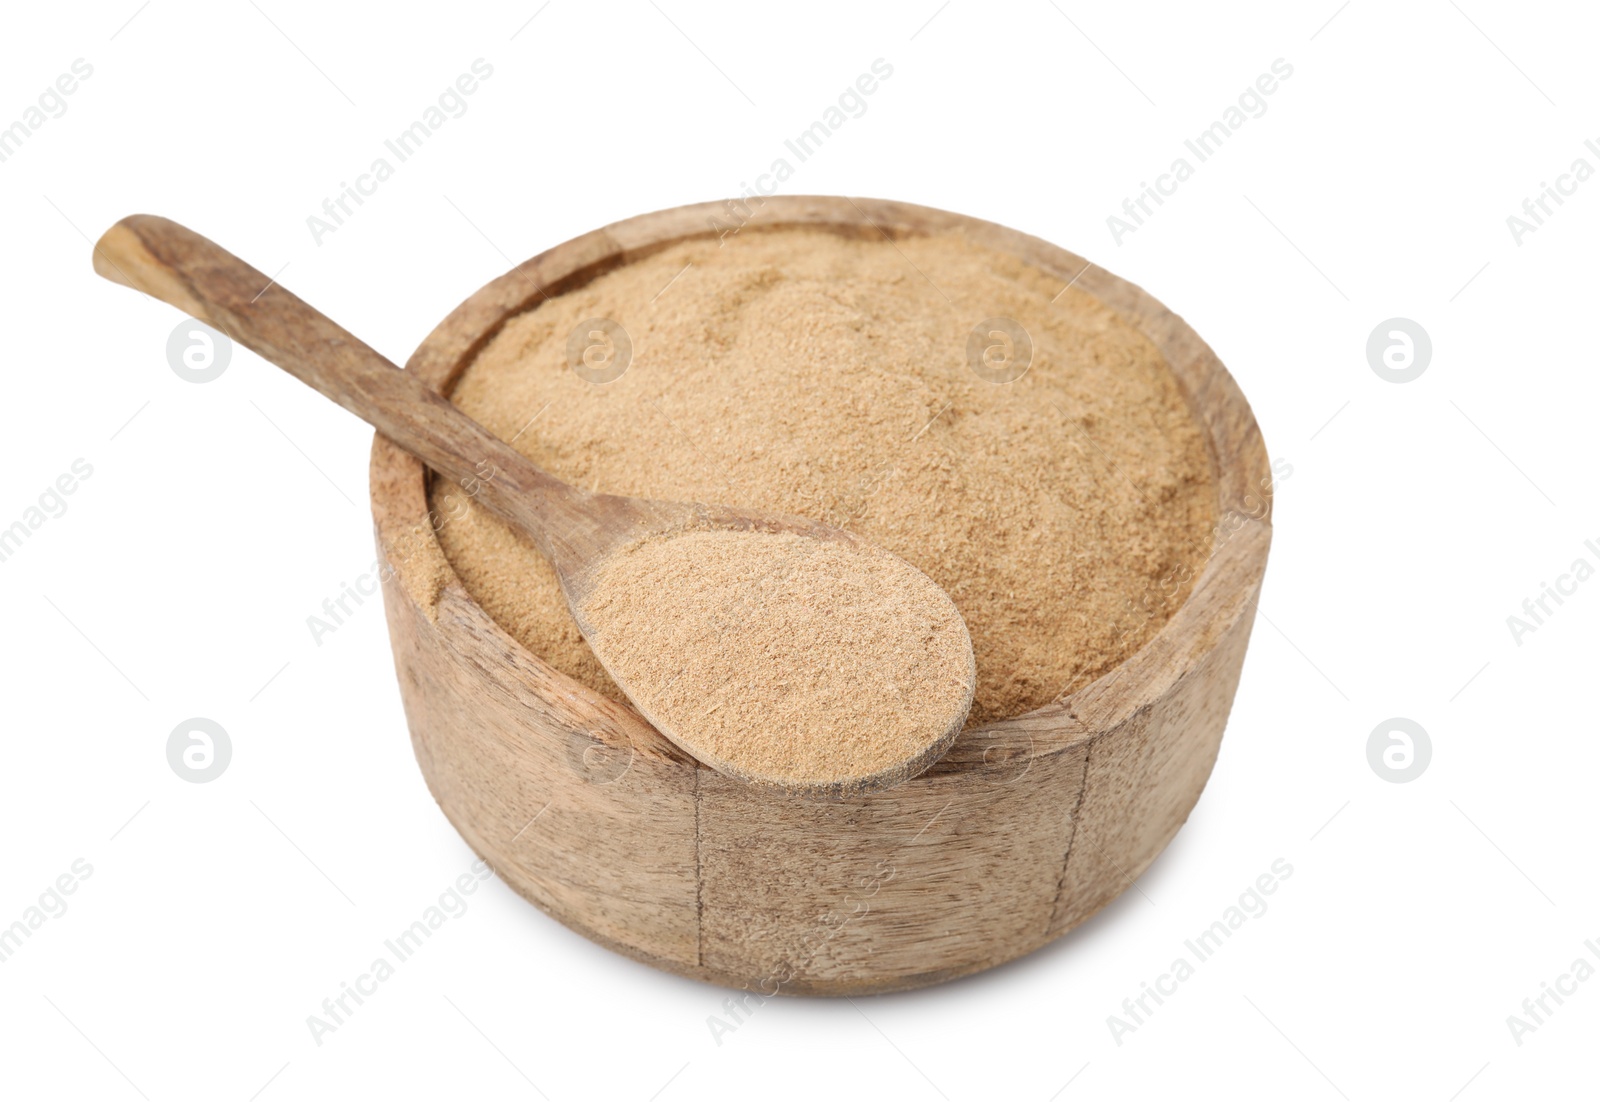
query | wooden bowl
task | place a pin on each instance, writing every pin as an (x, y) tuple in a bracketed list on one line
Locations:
[(1023, 830)]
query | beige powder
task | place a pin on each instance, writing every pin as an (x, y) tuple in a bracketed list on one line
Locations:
[(801, 372), (807, 664)]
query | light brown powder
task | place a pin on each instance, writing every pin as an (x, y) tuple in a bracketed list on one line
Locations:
[(807, 664), (806, 373)]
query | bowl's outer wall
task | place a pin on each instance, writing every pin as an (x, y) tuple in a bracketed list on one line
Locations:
[(1025, 829)]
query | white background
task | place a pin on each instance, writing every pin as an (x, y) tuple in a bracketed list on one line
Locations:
[(1417, 518)]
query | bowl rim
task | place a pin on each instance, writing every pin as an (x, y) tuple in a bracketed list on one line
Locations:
[(1225, 589)]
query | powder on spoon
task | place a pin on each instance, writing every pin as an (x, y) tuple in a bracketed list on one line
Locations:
[(806, 664)]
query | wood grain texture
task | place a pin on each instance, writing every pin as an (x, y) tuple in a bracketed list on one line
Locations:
[(1020, 832)]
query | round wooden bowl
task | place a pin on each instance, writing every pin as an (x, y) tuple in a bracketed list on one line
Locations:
[(1023, 830)]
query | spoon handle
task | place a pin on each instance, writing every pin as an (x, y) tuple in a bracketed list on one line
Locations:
[(180, 267)]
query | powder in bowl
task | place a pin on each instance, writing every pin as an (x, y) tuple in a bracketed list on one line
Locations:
[(810, 373)]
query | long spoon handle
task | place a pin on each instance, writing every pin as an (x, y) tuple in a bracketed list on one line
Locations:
[(173, 263)]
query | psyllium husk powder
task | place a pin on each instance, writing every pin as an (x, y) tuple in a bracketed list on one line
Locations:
[(775, 656), (1066, 510)]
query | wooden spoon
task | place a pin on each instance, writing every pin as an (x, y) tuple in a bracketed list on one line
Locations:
[(585, 534)]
